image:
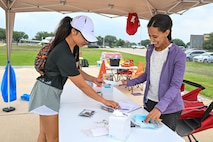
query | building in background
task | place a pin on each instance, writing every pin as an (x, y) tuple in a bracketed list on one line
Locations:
[(206, 37), (196, 41)]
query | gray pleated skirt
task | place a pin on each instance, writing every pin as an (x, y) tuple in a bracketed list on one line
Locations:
[(44, 99)]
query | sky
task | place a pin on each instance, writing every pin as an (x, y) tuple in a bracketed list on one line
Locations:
[(196, 21)]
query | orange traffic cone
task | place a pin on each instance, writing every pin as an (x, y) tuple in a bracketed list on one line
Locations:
[(102, 70)]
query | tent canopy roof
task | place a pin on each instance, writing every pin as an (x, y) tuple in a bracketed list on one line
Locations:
[(144, 8)]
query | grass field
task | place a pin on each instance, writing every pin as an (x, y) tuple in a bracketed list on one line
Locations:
[(197, 72)]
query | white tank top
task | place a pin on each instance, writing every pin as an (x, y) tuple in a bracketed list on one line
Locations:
[(156, 63)]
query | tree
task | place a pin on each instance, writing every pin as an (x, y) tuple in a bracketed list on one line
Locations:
[(187, 44), (2, 34), (100, 40), (127, 44), (120, 42), (110, 40), (179, 42), (43, 35), (145, 42), (208, 44), (25, 36), (19, 35)]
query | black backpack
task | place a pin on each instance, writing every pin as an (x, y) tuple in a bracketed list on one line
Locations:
[(84, 63)]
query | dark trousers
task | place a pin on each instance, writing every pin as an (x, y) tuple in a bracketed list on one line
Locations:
[(168, 119)]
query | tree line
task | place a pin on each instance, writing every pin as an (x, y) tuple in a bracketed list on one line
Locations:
[(108, 40)]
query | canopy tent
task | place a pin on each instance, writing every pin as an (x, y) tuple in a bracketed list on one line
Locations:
[(144, 8)]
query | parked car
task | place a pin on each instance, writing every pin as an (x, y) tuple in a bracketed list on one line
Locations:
[(183, 48), (138, 47), (93, 46), (203, 57), (210, 59), (192, 53)]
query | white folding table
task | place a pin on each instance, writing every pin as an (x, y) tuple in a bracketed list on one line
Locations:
[(73, 127), (114, 69)]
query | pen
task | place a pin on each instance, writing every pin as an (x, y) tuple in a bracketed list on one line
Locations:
[(135, 109), (123, 109)]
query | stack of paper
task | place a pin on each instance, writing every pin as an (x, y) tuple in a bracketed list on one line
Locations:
[(128, 107), (125, 107)]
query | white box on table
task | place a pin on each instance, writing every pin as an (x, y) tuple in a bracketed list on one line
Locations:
[(107, 90), (119, 127)]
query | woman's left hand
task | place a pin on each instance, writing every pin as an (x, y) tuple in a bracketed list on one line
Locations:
[(154, 115)]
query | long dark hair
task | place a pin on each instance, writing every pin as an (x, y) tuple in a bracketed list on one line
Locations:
[(163, 22), (63, 30)]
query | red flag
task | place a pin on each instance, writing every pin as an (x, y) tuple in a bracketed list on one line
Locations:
[(132, 23), (102, 70)]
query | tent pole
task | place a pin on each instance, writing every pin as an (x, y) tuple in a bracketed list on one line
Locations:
[(8, 108), (9, 33)]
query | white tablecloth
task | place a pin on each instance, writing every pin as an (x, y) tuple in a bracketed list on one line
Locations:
[(74, 128)]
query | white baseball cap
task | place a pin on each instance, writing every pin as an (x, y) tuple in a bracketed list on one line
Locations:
[(85, 25)]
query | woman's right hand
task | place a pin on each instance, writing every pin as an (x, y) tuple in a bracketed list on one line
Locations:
[(111, 103)]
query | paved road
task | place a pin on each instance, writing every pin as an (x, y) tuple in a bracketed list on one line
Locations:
[(141, 52)]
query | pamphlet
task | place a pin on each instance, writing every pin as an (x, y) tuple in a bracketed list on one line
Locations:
[(125, 107), (86, 113)]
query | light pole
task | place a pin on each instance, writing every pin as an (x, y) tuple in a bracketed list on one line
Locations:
[(103, 41)]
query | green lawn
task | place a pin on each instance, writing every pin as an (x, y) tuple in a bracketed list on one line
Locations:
[(201, 73), (197, 72)]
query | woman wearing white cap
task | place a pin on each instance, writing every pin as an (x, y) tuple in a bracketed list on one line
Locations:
[(63, 59)]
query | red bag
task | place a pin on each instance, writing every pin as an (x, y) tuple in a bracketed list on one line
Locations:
[(132, 23)]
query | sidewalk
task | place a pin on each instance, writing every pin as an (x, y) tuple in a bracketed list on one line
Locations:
[(19, 126)]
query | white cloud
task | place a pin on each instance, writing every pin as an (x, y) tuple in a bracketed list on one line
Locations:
[(195, 21)]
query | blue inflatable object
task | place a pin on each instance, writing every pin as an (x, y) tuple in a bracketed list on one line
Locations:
[(138, 120), (25, 97), (12, 83)]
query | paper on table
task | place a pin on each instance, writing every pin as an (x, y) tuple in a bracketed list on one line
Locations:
[(99, 131), (113, 83), (125, 107), (95, 132)]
